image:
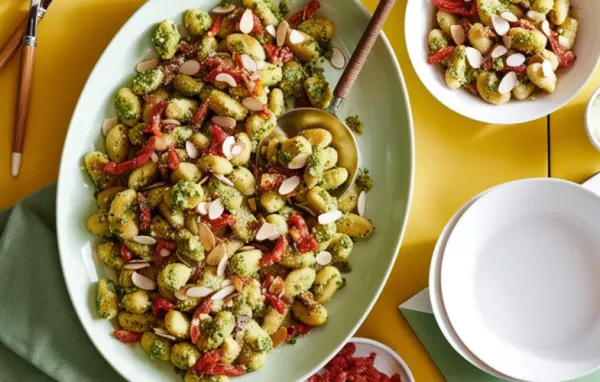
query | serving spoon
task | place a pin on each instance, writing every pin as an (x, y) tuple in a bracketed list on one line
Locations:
[(294, 121)]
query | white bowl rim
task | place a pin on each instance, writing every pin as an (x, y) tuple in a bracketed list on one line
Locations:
[(411, 142), (589, 125)]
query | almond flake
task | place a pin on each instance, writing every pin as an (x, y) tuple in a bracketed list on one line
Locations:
[(329, 217), (226, 122), (191, 150), (142, 282), (155, 185), (132, 265), (546, 28), (170, 122), (279, 336), (180, 293), (222, 266), (226, 282), (337, 60), (474, 57), (159, 144), (247, 22), (154, 157), (274, 237), (248, 63), (458, 34), (536, 16), (238, 148), (164, 333), (145, 240), (207, 237), (164, 252), (108, 124), (564, 42), (515, 60), (260, 65), (198, 291), (223, 179), (237, 283), (253, 104), (361, 206), (221, 294), (215, 209), (298, 162), (147, 65), (296, 37), (282, 31), (221, 10), (501, 26), (277, 286), (190, 68), (202, 208), (499, 51), (507, 40), (246, 248), (227, 78), (289, 185), (203, 180), (266, 230), (227, 145), (252, 204), (323, 258), (271, 30), (547, 68), (216, 255), (508, 83), (510, 17)]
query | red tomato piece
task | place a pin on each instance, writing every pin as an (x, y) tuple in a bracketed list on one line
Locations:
[(276, 303), (161, 306), (200, 114), (127, 336), (145, 215), (278, 54), (221, 221), (173, 161), (440, 55), (308, 12), (565, 57), (224, 369), (215, 28), (277, 254), (154, 125), (216, 143), (125, 253)]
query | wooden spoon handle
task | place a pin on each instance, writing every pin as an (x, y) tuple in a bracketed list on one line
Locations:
[(25, 80), (13, 43), (363, 49)]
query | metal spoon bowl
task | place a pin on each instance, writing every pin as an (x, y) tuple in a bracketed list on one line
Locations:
[(294, 121)]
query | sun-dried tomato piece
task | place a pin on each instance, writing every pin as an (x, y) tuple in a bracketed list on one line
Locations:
[(521, 70), (522, 23), (276, 303), (471, 88), (225, 220), (224, 369), (161, 306), (269, 182), (173, 160), (299, 329), (308, 12), (465, 24), (276, 255), (188, 49), (212, 75), (216, 143), (215, 27), (142, 158), (565, 57), (278, 54), (208, 359), (125, 253), (145, 215), (200, 114), (300, 234), (155, 117), (440, 55), (459, 7), (258, 29), (127, 336)]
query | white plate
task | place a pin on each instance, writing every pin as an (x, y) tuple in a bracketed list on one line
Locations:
[(520, 276)]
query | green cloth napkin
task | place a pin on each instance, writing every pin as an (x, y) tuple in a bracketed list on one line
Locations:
[(41, 338)]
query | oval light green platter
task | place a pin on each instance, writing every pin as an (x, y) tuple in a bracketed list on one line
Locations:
[(386, 149)]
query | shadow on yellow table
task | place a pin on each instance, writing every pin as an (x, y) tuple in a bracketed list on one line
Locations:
[(455, 158)]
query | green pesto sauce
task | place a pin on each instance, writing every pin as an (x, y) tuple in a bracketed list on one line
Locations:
[(157, 349), (437, 43), (283, 8), (494, 7), (182, 191), (492, 83), (363, 180), (498, 64), (343, 266), (355, 124)]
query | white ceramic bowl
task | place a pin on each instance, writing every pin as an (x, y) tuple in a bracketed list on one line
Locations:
[(592, 129), (420, 19)]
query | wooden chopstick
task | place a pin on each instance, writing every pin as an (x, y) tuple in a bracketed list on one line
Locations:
[(25, 81), (13, 43)]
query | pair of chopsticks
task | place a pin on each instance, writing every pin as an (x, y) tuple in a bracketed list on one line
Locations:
[(26, 36)]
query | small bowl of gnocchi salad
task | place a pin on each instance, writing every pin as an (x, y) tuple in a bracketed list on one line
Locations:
[(502, 61)]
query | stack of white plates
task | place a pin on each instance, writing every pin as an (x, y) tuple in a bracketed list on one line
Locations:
[(515, 280)]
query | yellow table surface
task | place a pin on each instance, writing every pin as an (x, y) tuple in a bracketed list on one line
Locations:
[(455, 158)]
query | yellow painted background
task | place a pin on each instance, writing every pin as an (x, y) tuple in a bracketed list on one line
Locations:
[(455, 158)]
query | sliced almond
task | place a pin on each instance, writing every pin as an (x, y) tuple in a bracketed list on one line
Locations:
[(108, 124), (164, 252), (535, 16), (147, 65), (361, 205), (564, 42), (547, 68), (227, 145), (154, 185), (132, 265), (458, 34), (515, 60), (329, 217), (536, 58), (546, 28), (154, 157), (237, 283), (223, 179), (161, 332), (247, 22), (298, 162), (265, 231), (507, 41), (508, 83), (289, 185), (253, 104), (216, 255), (499, 51), (180, 293), (198, 291), (272, 31), (226, 122), (323, 258), (170, 122), (145, 240), (202, 208), (282, 31), (246, 248), (221, 10), (190, 68), (224, 292), (248, 63), (501, 26), (227, 78), (274, 236), (203, 180), (277, 286), (252, 204), (296, 37), (238, 148), (474, 57), (191, 150), (279, 336), (215, 209), (510, 17), (159, 144), (337, 60), (222, 266), (142, 282), (226, 282), (207, 237)]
